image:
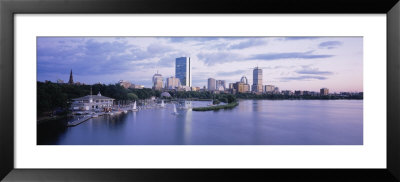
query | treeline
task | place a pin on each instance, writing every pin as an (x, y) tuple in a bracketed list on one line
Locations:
[(223, 97), (215, 108), (57, 97), (52, 96), (305, 97)]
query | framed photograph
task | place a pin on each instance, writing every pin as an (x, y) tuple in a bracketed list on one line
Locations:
[(129, 90)]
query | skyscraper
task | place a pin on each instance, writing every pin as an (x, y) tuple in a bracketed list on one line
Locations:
[(71, 79), (257, 80), (183, 71), (211, 84), (157, 81)]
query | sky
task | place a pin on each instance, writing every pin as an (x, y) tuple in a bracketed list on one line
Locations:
[(290, 63)]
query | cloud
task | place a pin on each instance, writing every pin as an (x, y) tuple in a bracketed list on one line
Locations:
[(217, 57), (159, 49), (85, 57), (300, 38), (231, 73), (289, 55), (248, 43), (194, 39), (313, 71), (329, 44), (304, 78), (168, 60)]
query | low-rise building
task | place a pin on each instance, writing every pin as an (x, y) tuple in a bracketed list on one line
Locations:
[(134, 86), (298, 92), (124, 84), (195, 88), (92, 102), (172, 83), (324, 91), (287, 92), (269, 88)]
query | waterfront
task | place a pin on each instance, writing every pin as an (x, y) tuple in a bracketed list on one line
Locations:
[(252, 122)]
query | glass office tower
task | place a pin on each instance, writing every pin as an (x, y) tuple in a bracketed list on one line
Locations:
[(183, 71)]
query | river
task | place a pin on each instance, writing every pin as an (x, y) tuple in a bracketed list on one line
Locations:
[(252, 122)]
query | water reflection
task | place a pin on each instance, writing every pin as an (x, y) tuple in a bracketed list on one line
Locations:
[(187, 126), (253, 122)]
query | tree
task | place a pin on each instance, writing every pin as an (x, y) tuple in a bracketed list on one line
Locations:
[(132, 96)]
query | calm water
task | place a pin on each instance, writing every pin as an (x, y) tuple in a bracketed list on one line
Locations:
[(253, 122)]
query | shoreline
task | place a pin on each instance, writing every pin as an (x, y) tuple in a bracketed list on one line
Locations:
[(215, 108)]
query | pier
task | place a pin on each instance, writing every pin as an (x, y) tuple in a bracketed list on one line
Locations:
[(79, 120), (90, 116)]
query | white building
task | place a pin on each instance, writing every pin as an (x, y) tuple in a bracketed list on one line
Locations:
[(92, 102)]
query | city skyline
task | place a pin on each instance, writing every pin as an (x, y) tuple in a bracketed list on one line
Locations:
[(290, 63)]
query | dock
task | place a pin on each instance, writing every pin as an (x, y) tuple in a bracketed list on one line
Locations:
[(87, 117), (79, 121)]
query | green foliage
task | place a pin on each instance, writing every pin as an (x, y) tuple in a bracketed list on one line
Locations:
[(214, 108), (52, 96), (294, 97), (132, 96), (216, 101)]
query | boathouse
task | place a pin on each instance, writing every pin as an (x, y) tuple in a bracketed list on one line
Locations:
[(92, 102)]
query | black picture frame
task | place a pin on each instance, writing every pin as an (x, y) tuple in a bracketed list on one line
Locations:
[(8, 8)]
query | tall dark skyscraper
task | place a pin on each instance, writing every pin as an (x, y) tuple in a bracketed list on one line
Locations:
[(71, 79)]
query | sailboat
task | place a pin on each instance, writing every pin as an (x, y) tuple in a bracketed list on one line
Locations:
[(134, 109), (175, 112), (188, 104), (162, 103)]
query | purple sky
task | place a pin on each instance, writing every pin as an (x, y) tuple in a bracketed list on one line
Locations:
[(294, 63)]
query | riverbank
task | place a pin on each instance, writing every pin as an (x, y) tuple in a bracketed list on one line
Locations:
[(46, 119), (214, 108)]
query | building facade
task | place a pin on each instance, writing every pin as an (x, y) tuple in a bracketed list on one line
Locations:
[(195, 89), (92, 102), (135, 86), (298, 92), (244, 80), (269, 88), (257, 80), (220, 85), (172, 83), (183, 71), (158, 81), (241, 87), (125, 84), (212, 84), (324, 91)]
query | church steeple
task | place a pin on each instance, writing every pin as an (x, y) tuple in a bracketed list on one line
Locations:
[(71, 79)]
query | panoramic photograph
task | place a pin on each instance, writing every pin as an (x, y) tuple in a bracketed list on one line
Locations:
[(199, 90)]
